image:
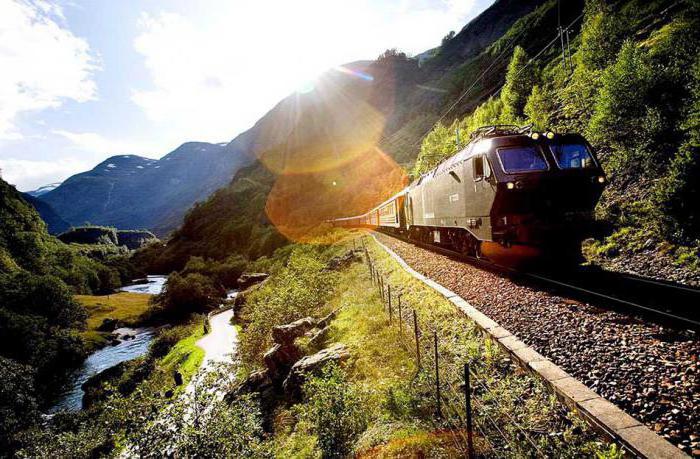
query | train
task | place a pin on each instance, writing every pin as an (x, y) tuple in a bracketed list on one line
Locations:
[(511, 195)]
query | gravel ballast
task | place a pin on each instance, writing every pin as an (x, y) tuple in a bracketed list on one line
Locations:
[(649, 371)]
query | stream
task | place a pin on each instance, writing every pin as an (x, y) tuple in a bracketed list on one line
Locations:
[(71, 397)]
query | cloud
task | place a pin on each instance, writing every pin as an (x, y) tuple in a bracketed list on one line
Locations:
[(43, 63), (95, 143), (213, 77), (31, 174)]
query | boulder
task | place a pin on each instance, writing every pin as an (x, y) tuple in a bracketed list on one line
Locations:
[(343, 261), (279, 359), (108, 324), (248, 279), (324, 322), (312, 365), (318, 339), (286, 334), (256, 382)]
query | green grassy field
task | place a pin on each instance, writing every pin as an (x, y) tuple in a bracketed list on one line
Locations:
[(128, 308)]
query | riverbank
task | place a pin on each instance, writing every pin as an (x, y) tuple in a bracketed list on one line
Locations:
[(109, 312)]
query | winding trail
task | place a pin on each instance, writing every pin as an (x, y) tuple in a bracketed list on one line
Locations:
[(220, 343)]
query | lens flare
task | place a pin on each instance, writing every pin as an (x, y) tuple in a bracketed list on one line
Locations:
[(357, 73), (299, 202)]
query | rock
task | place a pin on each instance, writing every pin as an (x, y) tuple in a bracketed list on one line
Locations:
[(108, 325), (341, 262), (256, 382), (312, 365), (286, 334), (319, 338), (248, 279), (328, 319), (279, 359)]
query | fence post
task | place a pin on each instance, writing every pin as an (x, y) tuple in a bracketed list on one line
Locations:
[(415, 332), (381, 289), (400, 317), (468, 401), (437, 374), (388, 295)]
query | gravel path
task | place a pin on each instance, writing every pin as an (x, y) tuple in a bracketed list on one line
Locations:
[(649, 371)]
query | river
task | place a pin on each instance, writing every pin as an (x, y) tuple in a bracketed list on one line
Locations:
[(71, 397)]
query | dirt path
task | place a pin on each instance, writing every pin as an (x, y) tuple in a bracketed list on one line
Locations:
[(220, 343)]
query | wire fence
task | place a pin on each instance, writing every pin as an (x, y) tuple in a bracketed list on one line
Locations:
[(466, 406)]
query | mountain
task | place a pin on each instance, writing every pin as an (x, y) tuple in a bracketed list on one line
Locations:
[(43, 189), (54, 223), (133, 192)]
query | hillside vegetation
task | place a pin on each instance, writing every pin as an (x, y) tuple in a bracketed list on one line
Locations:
[(39, 318)]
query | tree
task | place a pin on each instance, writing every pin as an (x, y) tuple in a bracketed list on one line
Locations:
[(602, 34), (446, 39), (187, 293), (539, 108), (622, 119), (520, 78), (678, 192)]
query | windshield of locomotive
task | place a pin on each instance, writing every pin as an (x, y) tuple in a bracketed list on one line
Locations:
[(522, 159), (572, 156)]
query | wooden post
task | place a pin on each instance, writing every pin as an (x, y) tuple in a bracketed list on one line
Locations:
[(400, 317), (437, 375), (468, 401), (415, 332), (388, 295)]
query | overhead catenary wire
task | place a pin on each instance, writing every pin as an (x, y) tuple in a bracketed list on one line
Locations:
[(474, 83)]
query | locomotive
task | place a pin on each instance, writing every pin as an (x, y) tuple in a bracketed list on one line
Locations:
[(512, 195)]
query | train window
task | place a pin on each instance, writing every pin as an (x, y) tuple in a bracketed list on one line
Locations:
[(521, 159), (572, 156), (478, 167)]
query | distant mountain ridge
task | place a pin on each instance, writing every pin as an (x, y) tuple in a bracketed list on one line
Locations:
[(43, 189), (135, 192)]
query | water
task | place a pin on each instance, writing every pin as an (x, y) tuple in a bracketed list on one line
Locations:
[(71, 398), (154, 286)]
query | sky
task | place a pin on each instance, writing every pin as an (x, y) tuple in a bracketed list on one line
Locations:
[(84, 80)]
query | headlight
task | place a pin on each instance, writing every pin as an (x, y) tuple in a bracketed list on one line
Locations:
[(601, 179), (510, 185), (535, 135), (550, 135)]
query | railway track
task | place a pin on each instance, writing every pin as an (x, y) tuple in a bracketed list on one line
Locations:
[(665, 302)]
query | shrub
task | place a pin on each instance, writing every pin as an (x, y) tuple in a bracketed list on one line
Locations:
[(18, 405), (335, 410), (187, 293)]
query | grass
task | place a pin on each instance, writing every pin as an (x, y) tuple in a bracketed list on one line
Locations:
[(185, 357), (126, 307)]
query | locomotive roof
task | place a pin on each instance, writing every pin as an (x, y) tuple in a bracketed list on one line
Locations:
[(486, 142)]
